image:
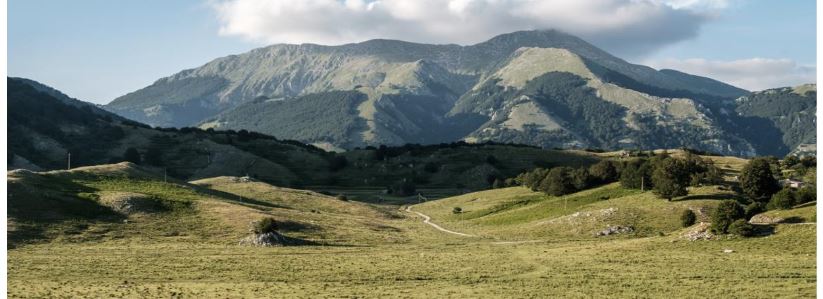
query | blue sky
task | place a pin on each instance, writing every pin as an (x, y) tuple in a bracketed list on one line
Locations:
[(96, 50)]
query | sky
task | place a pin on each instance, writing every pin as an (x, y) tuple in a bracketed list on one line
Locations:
[(97, 50)]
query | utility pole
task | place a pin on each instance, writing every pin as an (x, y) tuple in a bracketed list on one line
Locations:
[(69, 164), (642, 183)]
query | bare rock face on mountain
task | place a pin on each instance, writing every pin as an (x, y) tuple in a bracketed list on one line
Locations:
[(542, 88)]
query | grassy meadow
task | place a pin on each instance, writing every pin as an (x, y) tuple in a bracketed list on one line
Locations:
[(179, 240)]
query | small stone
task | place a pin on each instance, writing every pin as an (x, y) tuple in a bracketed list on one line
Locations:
[(727, 251)]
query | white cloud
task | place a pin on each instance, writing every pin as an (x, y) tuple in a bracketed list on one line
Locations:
[(751, 74), (625, 27)]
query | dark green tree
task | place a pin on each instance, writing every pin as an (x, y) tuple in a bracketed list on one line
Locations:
[(670, 178), (132, 155), (558, 181), (782, 200), (687, 218), (604, 171), (741, 228), (636, 175), (726, 212), (754, 209), (581, 179), (154, 156), (806, 194), (757, 180)]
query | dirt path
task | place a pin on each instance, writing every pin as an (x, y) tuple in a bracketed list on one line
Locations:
[(427, 220)]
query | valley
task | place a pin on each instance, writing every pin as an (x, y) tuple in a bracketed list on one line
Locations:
[(179, 239)]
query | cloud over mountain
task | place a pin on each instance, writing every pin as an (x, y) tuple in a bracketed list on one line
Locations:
[(626, 27), (752, 73)]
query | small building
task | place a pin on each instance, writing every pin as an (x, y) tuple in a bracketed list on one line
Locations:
[(791, 183)]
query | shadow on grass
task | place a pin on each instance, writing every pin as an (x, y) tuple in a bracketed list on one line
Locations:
[(763, 230), (707, 197)]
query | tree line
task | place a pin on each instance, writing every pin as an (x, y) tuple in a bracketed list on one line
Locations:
[(667, 176)]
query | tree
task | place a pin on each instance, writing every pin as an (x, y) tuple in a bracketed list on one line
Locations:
[(726, 212), (491, 160), (132, 155), (581, 179), (264, 226), (754, 209), (806, 194), (741, 228), (790, 161), (604, 171), (757, 180), (154, 156), (782, 200), (431, 167), (670, 178), (688, 218), (403, 188), (338, 162), (636, 175), (497, 184), (557, 182)]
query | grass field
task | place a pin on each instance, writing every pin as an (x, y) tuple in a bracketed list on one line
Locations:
[(527, 244)]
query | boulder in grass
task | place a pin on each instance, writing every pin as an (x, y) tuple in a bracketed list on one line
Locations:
[(269, 239)]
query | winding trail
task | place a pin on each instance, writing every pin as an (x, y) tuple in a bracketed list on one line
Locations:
[(427, 220)]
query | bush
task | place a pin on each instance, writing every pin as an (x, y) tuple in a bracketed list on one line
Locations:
[(806, 194), (265, 225), (688, 218), (782, 200), (741, 228), (754, 209), (457, 210), (726, 212)]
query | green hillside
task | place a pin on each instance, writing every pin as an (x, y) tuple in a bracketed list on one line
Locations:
[(71, 235)]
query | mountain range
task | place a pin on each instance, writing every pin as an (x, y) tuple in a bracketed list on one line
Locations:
[(543, 88)]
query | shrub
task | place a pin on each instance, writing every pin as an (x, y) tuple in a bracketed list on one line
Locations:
[(688, 218), (457, 210), (783, 200), (806, 194), (265, 225), (726, 212), (741, 228)]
